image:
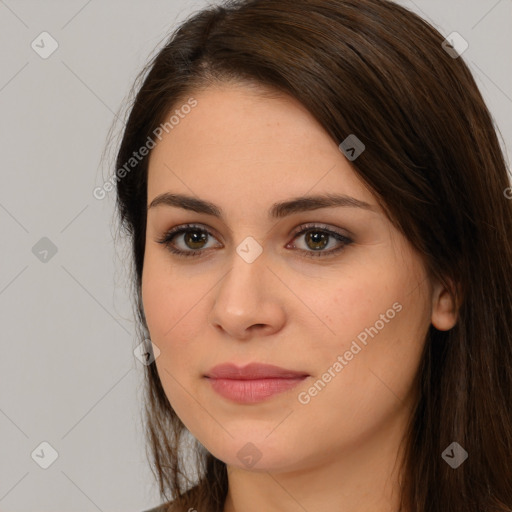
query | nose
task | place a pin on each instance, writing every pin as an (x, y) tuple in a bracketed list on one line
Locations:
[(248, 300)]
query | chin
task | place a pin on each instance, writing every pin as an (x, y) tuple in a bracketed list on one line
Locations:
[(257, 455)]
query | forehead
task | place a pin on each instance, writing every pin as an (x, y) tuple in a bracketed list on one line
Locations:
[(238, 144)]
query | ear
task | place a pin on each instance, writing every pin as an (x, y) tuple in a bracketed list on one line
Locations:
[(444, 308)]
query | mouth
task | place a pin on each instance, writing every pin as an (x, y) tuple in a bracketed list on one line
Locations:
[(252, 383)]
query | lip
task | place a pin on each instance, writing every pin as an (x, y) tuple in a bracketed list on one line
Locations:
[(252, 383), (252, 371)]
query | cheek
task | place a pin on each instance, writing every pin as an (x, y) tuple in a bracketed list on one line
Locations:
[(173, 326), (366, 389), (379, 327), (354, 303), (166, 304), (172, 307), (165, 296), (158, 306)]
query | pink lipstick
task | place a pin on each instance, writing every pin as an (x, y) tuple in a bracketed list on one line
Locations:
[(252, 383)]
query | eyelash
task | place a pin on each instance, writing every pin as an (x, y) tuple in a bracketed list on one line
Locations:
[(172, 233)]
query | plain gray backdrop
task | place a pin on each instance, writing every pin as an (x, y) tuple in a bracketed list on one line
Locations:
[(69, 377)]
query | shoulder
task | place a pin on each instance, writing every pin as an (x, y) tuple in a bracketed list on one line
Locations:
[(166, 507), (190, 496)]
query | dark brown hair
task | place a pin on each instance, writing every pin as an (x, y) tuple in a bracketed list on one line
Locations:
[(433, 161)]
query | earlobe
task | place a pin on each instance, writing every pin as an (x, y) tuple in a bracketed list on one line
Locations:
[(444, 308)]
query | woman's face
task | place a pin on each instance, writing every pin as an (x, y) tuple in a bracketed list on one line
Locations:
[(350, 315)]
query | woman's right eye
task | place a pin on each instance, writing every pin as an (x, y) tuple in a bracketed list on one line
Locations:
[(191, 235)]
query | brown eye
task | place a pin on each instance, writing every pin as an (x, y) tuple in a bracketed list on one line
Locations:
[(193, 239), (317, 239)]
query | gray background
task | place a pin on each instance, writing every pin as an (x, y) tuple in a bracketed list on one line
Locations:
[(68, 373)]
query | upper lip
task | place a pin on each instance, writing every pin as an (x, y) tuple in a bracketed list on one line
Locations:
[(252, 371)]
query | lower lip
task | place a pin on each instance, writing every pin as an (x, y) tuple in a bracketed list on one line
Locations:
[(252, 391)]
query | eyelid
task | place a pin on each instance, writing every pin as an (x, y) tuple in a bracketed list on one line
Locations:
[(183, 228), (333, 232), (317, 225), (298, 230)]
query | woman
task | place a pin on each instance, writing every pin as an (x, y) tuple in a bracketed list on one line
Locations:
[(321, 233)]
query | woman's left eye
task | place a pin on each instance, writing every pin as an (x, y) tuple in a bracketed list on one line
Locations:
[(317, 238)]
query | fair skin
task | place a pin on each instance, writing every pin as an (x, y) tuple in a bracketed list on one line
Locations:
[(340, 450)]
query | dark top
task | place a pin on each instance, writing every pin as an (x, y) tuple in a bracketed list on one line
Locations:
[(160, 508), (165, 507)]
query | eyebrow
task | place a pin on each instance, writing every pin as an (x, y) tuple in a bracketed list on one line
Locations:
[(277, 211)]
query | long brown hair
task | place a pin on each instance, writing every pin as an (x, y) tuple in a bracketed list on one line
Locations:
[(433, 161)]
